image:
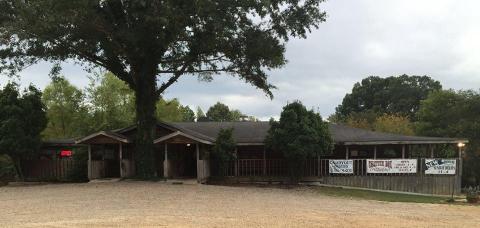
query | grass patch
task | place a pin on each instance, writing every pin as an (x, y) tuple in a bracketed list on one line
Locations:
[(380, 196)]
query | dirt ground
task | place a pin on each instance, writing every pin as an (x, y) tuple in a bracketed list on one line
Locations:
[(154, 204)]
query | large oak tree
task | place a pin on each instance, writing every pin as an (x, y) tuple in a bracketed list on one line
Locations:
[(149, 44)]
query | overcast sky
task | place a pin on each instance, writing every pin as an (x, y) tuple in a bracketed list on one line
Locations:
[(360, 38)]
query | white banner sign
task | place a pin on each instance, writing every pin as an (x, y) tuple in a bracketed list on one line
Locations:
[(340, 166), (392, 166), (440, 166)]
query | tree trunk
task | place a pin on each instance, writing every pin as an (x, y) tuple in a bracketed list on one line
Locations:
[(145, 99)]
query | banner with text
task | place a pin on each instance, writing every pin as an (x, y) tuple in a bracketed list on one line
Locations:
[(392, 166), (440, 166), (340, 166)]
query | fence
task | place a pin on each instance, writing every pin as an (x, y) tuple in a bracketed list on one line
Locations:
[(43, 170), (318, 170)]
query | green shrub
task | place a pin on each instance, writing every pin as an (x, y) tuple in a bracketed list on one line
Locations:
[(7, 169), (473, 195), (223, 150), (79, 172)]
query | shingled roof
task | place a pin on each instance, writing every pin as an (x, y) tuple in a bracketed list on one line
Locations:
[(254, 133)]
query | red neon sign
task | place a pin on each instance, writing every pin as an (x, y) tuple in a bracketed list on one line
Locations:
[(65, 153)]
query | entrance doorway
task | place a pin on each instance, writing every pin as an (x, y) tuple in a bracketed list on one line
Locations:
[(182, 160)]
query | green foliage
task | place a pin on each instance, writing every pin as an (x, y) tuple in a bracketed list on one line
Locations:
[(150, 44), (22, 119), (392, 95), (219, 112), (455, 114), (67, 112), (7, 169), (201, 115), (389, 123), (300, 134), (112, 102), (79, 173), (173, 111), (224, 148)]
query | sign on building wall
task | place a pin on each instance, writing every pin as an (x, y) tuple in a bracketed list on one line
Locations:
[(440, 166), (340, 166), (392, 166)]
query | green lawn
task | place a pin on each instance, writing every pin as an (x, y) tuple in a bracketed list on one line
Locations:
[(380, 196)]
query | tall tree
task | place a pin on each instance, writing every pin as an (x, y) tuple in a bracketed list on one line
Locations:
[(201, 115), (455, 114), (187, 114), (66, 110), (300, 134), (219, 112), (392, 95), (22, 119), (112, 102), (145, 42), (169, 110)]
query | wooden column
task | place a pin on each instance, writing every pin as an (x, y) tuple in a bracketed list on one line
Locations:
[(346, 152), (89, 162), (165, 162), (120, 158), (375, 152), (403, 151), (236, 161), (264, 162), (200, 170), (432, 155)]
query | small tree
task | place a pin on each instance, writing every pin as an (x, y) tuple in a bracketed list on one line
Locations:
[(223, 150), (300, 134), (22, 119)]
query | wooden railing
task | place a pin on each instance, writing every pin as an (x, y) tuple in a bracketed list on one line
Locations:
[(311, 168), (37, 169)]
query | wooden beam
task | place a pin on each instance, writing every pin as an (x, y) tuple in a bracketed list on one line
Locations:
[(346, 152), (375, 152), (403, 151), (199, 175), (89, 161), (165, 162), (120, 158), (264, 162)]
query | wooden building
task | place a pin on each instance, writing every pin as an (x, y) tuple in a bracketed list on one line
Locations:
[(182, 151)]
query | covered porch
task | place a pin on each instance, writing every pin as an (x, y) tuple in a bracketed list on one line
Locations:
[(110, 155), (182, 156)]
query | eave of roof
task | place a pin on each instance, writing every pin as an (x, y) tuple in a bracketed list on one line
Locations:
[(112, 135)]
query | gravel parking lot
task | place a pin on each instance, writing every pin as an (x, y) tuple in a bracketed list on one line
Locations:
[(157, 204)]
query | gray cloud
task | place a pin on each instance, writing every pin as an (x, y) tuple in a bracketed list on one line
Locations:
[(360, 38)]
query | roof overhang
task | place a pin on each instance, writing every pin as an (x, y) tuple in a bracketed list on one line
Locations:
[(412, 142), (102, 133), (179, 133)]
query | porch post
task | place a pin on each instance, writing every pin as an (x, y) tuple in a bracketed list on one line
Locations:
[(375, 152), (431, 151), (403, 151), (165, 163), (200, 170), (120, 158), (89, 161), (346, 152), (264, 162), (236, 161)]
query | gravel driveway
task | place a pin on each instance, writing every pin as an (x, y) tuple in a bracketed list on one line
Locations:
[(165, 205)]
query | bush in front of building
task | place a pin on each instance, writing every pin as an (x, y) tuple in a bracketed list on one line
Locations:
[(7, 170), (79, 172), (224, 150), (300, 134)]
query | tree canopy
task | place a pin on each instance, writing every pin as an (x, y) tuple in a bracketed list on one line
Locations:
[(224, 148), (300, 134), (151, 44), (392, 95), (22, 119), (67, 112), (450, 113)]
